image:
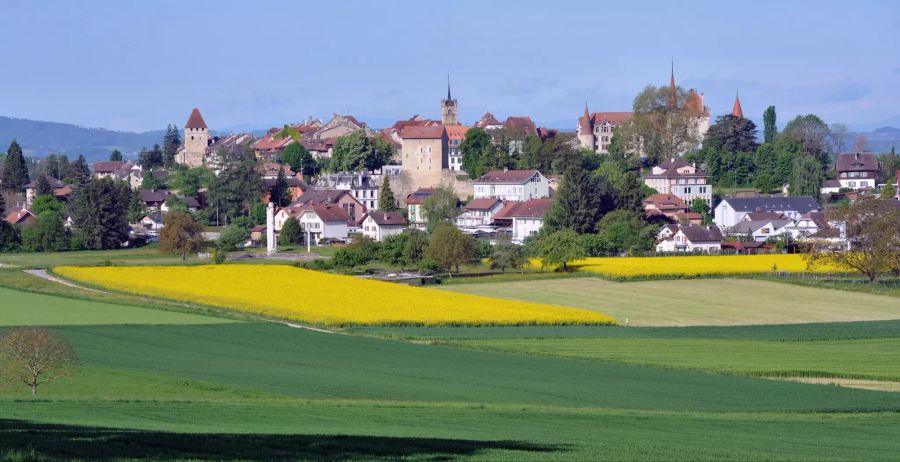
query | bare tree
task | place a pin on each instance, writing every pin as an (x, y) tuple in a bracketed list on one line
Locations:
[(36, 355), (839, 134), (873, 230), (859, 143)]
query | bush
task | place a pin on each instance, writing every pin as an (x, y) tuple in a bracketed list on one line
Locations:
[(291, 234), (218, 256), (46, 234), (232, 237), (9, 237)]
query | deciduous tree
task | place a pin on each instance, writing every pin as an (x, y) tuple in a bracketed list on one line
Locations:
[(477, 152), (559, 248), (770, 129), (180, 234), (449, 247), (441, 207), (299, 159), (291, 234), (35, 355), (505, 255), (46, 234)]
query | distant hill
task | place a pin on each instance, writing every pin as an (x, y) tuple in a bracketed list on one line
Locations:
[(881, 139), (41, 138)]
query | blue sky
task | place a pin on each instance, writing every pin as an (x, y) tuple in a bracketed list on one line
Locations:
[(138, 65)]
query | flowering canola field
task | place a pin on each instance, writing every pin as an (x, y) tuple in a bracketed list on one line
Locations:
[(699, 265), (323, 298)]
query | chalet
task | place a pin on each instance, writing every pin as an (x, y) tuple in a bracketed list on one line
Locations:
[(524, 219), (679, 178), (732, 210), (414, 203), (479, 212), (857, 170), (153, 199), (379, 225), (689, 238), (512, 185)]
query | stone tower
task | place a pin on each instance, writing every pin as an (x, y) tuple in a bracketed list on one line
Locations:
[(448, 108), (196, 139)]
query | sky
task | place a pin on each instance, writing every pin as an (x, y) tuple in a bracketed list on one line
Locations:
[(139, 65)]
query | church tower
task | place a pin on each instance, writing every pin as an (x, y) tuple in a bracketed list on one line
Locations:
[(196, 139), (448, 108)]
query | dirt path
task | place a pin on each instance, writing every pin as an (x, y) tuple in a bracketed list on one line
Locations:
[(43, 274), (849, 383)]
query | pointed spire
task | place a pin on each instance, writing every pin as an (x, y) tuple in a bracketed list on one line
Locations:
[(587, 115), (736, 110), (448, 86), (673, 95)]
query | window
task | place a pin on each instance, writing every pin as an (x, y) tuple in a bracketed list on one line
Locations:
[(687, 190)]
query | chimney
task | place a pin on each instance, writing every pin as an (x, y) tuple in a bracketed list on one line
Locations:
[(857, 156)]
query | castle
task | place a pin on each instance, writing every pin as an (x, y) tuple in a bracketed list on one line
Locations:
[(196, 139)]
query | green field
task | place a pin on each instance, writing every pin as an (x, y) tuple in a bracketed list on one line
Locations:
[(697, 301), (159, 384)]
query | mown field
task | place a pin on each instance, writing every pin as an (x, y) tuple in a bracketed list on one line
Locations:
[(696, 301), (197, 386)]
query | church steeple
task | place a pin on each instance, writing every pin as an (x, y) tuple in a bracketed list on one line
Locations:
[(448, 87), (673, 94), (448, 108), (736, 111)]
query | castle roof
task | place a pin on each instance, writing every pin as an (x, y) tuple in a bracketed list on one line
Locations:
[(736, 110), (196, 120)]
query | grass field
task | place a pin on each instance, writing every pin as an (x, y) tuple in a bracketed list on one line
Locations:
[(696, 301), (210, 389)]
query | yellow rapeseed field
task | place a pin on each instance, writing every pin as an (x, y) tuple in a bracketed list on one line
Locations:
[(699, 265), (323, 298)]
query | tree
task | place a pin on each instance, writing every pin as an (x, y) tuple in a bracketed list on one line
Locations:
[(171, 143), (813, 135), (505, 254), (386, 200), (56, 166), (888, 192), (873, 229), (360, 251), (237, 187), (46, 203), (152, 158), (734, 134), (35, 355), (291, 233), (115, 155), (806, 176), (100, 213), (46, 234), (42, 186), (176, 204), (14, 176), (299, 159), (625, 231), (580, 202), (450, 247), (700, 206), (664, 127), (258, 213), (770, 129), (477, 152), (9, 236), (440, 208), (356, 151), (79, 172), (180, 234), (860, 143), (839, 135), (149, 181), (190, 181), (233, 236), (559, 248)]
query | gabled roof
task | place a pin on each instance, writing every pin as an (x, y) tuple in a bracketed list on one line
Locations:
[(673, 164), (666, 202), (110, 166), (744, 227), (153, 195), (418, 196), (456, 132), (17, 216), (507, 176), (483, 203), (521, 124), (487, 120), (328, 213), (423, 133), (534, 208), (387, 218), (322, 196), (757, 216), (697, 233), (195, 120), (54, 183), (801, 204), (856, 162)]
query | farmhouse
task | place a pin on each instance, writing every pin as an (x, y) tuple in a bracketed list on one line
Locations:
[(512, 185), (689, 238), (732, 210), (379, 225)]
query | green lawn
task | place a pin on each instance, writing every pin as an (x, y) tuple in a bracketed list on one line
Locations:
[(697, 301), (28, 308), (142, 255)]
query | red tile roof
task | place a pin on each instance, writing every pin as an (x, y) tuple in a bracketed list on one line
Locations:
[(483, 203), (857, 162), (423, 133), (486, 120), (456, 132), (522, 124), (387, 219), (329, 213), (270, 143), (507, 176), (17, 216), (109, 166), (534, 208), (195, 120), (418, 196), (666, 202)]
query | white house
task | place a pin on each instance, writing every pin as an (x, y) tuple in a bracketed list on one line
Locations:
[(679, 178), (762, 230), (689, 238), (732, 210), (857, 170), (512, 185), (414, 203), (323, 221), (523, 218), (363, 187), (379, 225), (479, 212)]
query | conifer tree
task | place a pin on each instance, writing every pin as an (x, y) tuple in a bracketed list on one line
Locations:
[(386, 200), (42, 186), (79, 172), (579, 204), (15, 172), (171, 143), (116, 155)]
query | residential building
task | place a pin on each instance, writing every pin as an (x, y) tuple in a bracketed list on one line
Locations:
[(524, 219), (479, 212), (733, 209), (689, 238), (414, 203), (271, 145), (364, 187), (512, 185), (517, 129), (761, 230), (342, 199), (20, 217), (668, 205), (857, 170), (233, 145), (115, 169), (149, 224), (61, 190), (595, 130), (379, 225), (455, 136), (424, 155), (489, 122), (340, 125), (830, 187), (196, 140), (296, 187), (679, 178), (323, 221)]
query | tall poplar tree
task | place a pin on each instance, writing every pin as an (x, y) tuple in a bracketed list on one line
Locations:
[(770, 130)]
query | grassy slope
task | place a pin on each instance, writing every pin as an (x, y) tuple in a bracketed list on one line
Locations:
[(27, 308), (697, 302)]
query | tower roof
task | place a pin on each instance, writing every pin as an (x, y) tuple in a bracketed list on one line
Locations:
[(673, 96), (195, 120), (448, 87), (736, 110)]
